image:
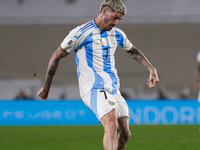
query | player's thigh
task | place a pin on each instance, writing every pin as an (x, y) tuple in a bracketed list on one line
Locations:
[(101, 102), (109, 120), (123, 107)]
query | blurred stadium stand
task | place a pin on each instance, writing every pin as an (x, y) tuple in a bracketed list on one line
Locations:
[(77, 11), (167, 31), (10, 88)]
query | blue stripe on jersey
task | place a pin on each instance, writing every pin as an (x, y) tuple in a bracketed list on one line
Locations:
[(83, 29), (105, 52), (93, 101), (107, 62), (119, 38), (94, 23), (77, 63), (89, 57)]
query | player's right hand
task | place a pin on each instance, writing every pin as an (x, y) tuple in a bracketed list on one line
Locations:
[(153, 78), (43, 93)]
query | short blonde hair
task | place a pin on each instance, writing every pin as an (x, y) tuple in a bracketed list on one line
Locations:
[(116, 5)]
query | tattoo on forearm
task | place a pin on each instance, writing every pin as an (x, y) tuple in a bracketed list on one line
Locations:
[(52, 67), (48, 81), (140, 58), (51, 71)]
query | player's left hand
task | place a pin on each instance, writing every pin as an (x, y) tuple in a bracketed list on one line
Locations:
[(153, 78)]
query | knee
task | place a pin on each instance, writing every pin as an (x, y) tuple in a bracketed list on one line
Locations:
[(125, 134)]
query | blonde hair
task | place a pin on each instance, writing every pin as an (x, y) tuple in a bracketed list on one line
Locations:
[(116, 5)]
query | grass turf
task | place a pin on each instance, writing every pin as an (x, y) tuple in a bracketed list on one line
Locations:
[(144, 137)]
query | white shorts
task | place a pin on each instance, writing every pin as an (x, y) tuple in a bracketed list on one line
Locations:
[(102, 102)]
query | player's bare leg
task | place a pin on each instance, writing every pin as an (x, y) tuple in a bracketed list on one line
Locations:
[(109, 122), (124, 133)]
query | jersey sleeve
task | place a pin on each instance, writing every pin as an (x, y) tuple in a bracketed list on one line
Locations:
[(127, 45), (124, 44), (70, 43)]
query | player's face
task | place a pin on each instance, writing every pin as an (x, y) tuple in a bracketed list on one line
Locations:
[(110, 18)]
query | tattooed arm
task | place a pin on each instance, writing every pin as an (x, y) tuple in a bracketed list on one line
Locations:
[(140, 58), (52, 67)]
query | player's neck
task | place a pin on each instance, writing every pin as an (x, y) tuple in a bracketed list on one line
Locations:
[(98, 22)]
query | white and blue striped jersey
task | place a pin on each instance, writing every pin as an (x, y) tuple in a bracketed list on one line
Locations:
[(95, 56)]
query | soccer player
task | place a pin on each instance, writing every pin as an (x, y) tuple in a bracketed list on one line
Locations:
[(95, 44)]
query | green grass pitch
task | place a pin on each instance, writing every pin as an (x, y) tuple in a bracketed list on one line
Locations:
[(144, 137)]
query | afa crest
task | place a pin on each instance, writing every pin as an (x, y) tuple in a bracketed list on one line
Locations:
[(104, 41)]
